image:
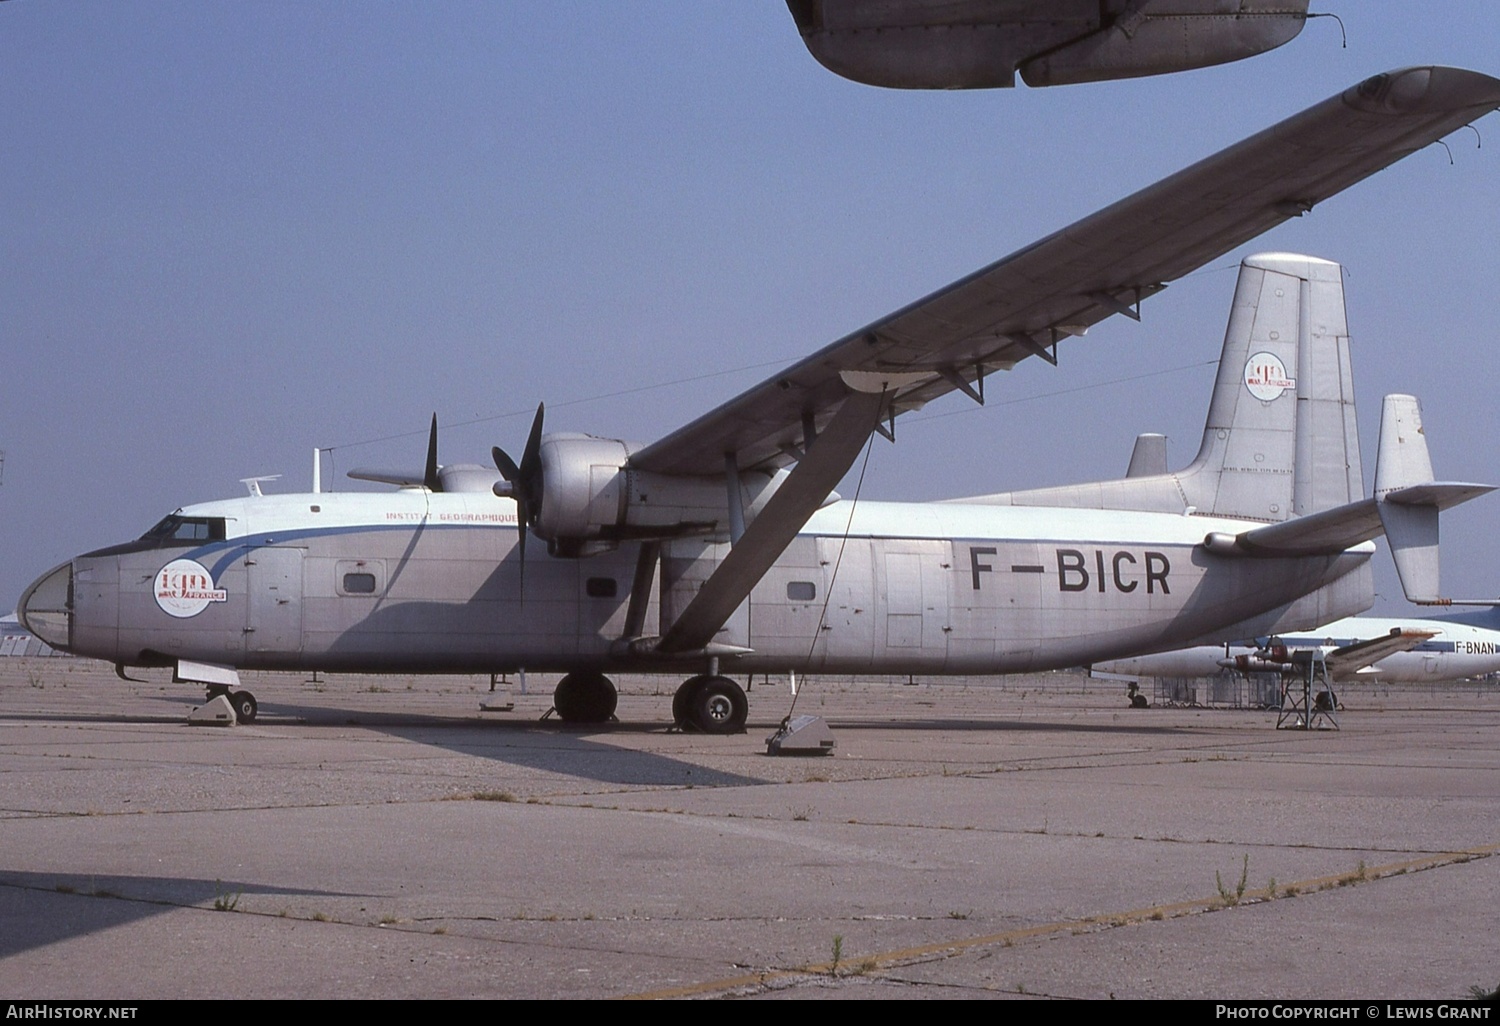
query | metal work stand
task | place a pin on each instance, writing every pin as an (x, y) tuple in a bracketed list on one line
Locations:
[(1301, 707)]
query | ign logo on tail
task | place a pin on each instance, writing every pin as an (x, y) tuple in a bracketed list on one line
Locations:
[(1265, 377), (185, 588)]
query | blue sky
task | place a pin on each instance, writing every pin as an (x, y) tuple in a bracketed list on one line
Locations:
[(234, 232)]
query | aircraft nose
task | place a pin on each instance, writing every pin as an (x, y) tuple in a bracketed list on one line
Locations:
[(46, 608)]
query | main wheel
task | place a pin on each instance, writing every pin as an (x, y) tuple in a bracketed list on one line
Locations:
[(719, 706), (682, 702), (585, 698), (244, 705)]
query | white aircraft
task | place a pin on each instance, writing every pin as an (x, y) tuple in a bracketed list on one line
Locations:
[(1358, 648), (719, 548), (940, 44)]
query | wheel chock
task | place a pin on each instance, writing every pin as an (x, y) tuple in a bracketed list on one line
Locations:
[(216, 712), (801, 735)]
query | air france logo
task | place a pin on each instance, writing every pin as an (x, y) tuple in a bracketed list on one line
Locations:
[(185, 588), (1265, 377)]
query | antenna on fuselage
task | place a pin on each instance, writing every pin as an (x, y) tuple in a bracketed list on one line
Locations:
[(253, 483), (317, 471)]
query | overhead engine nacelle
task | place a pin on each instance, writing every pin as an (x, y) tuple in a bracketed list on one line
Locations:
[(591, 499), (1163, 36), (980, 44)]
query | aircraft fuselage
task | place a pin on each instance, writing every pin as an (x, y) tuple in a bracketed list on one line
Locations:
[(430, 582)]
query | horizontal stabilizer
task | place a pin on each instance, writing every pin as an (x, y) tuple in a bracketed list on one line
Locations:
[(1405, 509), (1438, 494), (1334, 530), (1318, 534)]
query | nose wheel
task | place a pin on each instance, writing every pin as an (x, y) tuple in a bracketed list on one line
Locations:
[(710, 705), (242, 702)]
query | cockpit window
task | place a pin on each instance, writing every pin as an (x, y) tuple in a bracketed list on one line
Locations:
[(179, 530)]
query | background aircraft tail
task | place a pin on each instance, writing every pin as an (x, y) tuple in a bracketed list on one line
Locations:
[(1281, 438)]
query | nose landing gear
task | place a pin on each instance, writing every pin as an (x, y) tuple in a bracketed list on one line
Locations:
[(242, 702), (219, 680)]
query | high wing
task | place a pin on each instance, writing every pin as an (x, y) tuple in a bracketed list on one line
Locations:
[(1344, 663), (1103, 265)]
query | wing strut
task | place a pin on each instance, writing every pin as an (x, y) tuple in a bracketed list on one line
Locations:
[(736, 499), (827, 460), (640, 588), (1034, 347)]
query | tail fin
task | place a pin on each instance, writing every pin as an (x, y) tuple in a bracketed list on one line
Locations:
[(1409, 499), (1281, 438), (1149, 457), (1402, 459)]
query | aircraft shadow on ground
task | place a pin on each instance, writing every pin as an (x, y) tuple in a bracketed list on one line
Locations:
[(553, 747), (45, 908), (549, 746)]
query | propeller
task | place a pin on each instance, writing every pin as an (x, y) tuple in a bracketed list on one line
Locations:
[(523, 482), (430, 473), (429, 478)]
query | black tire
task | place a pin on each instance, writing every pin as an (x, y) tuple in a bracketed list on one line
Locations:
[(244, 705), (682, 702), (585, 698), (719, 706)]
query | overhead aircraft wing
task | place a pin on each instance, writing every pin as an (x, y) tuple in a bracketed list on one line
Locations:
[(1344, 663), (1103, 265)]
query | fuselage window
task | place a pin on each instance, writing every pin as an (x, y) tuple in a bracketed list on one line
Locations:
[(801, 591), (359, 584), (600, 587)]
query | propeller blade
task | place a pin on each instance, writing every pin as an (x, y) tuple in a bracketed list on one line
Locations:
[(521, 518), (532, 456), (525, 483), (430, 475), (505, 465)]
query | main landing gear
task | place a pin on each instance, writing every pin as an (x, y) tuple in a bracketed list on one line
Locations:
[(711, 704), (707, 703), (585, 697), (242, 702)]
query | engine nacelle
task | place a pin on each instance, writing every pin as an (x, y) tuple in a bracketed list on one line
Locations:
[(591, 499), (980, 44), (1170, 35), (583, 487)]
